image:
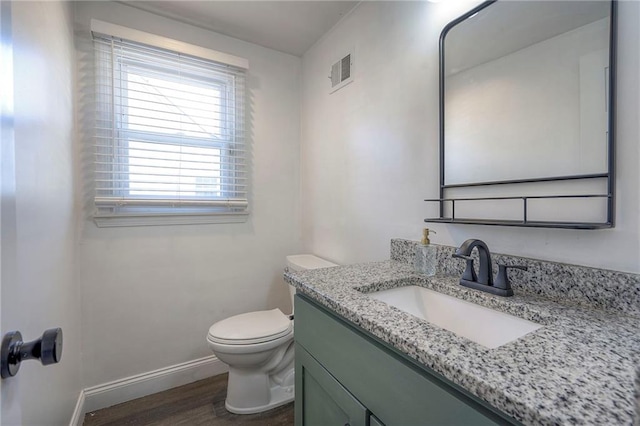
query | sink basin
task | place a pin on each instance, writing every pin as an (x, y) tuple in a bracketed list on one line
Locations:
[(482, 325)]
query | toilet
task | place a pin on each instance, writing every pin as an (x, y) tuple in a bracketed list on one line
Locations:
[(258, 347)]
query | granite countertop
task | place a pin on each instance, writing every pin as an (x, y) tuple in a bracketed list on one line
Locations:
[(581, 367)]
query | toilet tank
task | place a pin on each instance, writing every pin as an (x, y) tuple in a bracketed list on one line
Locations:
[(303, 262)]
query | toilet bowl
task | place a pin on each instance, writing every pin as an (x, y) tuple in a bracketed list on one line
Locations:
[(258, 347)]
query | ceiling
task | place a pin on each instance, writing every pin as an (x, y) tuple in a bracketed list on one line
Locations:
[(288, 26)]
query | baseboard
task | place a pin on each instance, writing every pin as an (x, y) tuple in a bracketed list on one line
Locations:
[(123, 390), (78, 413)]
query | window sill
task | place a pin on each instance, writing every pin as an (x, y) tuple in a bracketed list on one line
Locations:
[(167, 220)]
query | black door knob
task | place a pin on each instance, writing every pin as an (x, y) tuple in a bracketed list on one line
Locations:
[(48, 349), (51, 350)]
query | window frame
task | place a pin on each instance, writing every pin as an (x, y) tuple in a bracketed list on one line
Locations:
[(132, 213)]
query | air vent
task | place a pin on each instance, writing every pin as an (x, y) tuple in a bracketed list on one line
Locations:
[(341, 73)]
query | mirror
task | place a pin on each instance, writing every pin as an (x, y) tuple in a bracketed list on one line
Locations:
[(526, 96)]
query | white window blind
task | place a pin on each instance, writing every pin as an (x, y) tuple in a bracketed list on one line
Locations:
[(169, 133)]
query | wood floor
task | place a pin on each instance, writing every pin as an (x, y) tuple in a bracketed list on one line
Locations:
[(198, 403)]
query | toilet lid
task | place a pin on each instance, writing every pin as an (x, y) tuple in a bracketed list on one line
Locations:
[(252, 327)]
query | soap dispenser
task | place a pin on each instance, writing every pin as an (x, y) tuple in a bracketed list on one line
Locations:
[(425, 260)]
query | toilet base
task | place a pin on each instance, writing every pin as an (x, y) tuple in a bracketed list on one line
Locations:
[(280, 395), (251, 391)]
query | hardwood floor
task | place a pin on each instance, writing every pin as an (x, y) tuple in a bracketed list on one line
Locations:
[(198, 403)]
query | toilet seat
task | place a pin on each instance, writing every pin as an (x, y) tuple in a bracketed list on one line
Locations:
[(251, 328)]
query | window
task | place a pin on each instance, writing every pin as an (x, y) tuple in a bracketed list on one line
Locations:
[(169, 136)]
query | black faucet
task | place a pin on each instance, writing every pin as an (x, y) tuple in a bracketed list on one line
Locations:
[(484, 280)]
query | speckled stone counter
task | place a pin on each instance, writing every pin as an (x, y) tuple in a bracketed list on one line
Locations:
[(581, 367)]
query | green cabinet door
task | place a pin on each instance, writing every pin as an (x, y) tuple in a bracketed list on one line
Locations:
[(320, 399), (373, 421)]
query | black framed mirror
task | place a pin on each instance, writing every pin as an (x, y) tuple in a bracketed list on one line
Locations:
[(527, 114)]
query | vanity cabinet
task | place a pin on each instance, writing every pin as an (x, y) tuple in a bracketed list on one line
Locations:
[(346, 376)]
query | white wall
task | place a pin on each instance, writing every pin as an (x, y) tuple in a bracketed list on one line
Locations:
[(151, 293), (369, 152), (45, 292)]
